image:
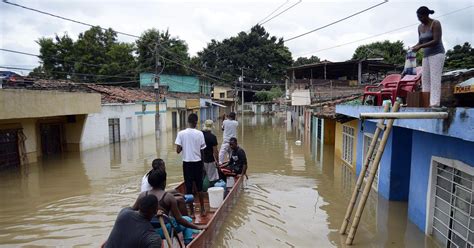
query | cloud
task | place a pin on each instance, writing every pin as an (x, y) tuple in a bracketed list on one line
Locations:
[(197, 22)]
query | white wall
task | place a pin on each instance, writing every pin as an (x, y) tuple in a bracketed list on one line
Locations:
[(96, 127)]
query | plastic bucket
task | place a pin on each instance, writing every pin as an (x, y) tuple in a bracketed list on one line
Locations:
[(216, 196)]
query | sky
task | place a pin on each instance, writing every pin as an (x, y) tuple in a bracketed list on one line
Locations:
[(197, 22)]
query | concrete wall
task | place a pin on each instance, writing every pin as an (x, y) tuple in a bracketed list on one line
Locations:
[(394, 168), (16, 104), (424, 146), (218, 90), (96, 129)]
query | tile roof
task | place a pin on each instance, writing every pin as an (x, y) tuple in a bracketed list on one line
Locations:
[(109, 94)]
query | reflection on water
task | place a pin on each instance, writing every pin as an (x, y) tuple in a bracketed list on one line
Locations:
[(295, 197)]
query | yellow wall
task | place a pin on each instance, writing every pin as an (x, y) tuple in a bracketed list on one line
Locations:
[(338, 141), (72, 133), (218, 90), (15, 104)]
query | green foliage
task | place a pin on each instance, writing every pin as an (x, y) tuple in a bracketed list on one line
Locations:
[(304, 61), (391, 52), (267, 96), (264, 56), (171, 48), (460, 57), (96, 52)]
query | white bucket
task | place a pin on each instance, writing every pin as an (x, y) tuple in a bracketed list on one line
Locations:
[(216, 196), (230, 182)]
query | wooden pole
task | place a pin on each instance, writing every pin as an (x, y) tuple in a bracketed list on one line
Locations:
[(360, 180), (370, 179), (165, 231), (405, 115)]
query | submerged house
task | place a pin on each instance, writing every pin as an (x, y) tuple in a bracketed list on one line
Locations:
[(195, 91), (428, 163), (52, 117)]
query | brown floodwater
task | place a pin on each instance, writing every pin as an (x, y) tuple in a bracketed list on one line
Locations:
[(296, 196)]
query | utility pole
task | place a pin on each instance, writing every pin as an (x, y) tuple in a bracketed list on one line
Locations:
[(242, 80), (157, 85)]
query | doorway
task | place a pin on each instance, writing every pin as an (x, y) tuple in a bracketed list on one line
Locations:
[(51, 142)]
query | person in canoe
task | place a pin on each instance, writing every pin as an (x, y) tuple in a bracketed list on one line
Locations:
[(189, 142), (133, 228), (168, 204), (237, 164), (180, 198)]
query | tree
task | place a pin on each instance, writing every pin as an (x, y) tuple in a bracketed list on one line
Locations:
[(171, 48), (391, 52), (263, 57), (460, 57), (96, 56), (267, 96), (304, 61)]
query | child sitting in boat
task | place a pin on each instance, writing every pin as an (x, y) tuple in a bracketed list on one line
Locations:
[(168, 204)]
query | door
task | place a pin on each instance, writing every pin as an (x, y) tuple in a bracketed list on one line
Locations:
[(114, 130), (9, 153), (174, 119), (51, 142)]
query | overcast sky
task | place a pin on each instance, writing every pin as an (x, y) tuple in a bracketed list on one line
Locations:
[(197, 22)]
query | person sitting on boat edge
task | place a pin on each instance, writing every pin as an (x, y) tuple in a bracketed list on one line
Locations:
[(237, 164), (168, 204), (133, 228)]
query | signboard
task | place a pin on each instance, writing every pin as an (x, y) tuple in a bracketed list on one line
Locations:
[(300, 98), (465, 87)]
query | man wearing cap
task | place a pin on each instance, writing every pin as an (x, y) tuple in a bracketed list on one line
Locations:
[(210, 153)]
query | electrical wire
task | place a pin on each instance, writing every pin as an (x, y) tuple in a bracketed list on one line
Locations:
[(340, 20), (279, 7), (65, 18), (380, 34), (275, 16)]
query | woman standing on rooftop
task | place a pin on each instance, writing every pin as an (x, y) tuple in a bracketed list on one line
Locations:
[(430, 33)]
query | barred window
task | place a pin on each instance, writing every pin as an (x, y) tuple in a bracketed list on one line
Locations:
[(347, 144)]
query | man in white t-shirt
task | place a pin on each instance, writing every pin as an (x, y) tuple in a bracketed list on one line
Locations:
[(229, 127), (190, 142)]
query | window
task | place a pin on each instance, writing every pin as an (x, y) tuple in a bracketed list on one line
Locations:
[(450, 217), (9, 152), (347, 144), (222, 95), (367, 141), (114, 130)]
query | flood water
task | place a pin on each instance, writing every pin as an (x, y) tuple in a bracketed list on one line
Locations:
[(296, 196)]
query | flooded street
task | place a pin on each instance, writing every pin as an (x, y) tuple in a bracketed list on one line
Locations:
[(295, 196)]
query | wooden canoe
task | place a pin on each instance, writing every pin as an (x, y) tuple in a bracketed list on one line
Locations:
[(214, 217)]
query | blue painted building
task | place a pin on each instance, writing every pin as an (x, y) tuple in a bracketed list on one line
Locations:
[(430, 164), (178, 83)]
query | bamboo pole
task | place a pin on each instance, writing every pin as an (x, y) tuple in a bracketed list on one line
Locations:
[(356, 191), (405, 115), (165, 231), (370, 179)]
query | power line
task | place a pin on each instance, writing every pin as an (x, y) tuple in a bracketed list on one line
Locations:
[(279, 7), (340, 20), (63, 72), (66, 19), (281, 12), (71, 62), (380, 34)]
